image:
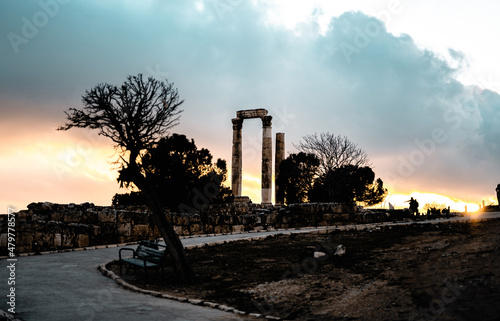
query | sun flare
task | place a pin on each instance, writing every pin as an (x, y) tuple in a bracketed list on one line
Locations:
[(399, 201)]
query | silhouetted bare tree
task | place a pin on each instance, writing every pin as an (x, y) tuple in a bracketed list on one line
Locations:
[(333, 151), (135, 116), (344, 173)]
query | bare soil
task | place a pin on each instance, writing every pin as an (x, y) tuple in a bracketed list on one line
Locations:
[(447, 271)]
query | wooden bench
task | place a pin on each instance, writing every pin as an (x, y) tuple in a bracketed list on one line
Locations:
[(147, 255)]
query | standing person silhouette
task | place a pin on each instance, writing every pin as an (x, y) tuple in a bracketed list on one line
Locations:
[(498, 194), (413, 206)]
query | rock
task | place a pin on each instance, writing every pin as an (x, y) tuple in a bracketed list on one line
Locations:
[(318, 255), (340, 250), (47, 205)]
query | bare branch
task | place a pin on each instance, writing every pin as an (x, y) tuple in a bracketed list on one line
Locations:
[(333, 151), (134, 116)]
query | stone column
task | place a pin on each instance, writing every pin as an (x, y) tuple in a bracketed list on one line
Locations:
[(237, 162), (267, 159), (279, 157)]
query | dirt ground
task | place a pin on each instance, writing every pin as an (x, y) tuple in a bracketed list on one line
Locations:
[(447, 271)]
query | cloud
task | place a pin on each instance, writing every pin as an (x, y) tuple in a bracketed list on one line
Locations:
[(407, 102), (401, 103)]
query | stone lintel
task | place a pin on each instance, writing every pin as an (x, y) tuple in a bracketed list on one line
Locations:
[(251, 113)]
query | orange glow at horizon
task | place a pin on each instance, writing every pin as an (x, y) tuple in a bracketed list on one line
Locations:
[(75, 169), (251, 187), (398, 200), (59, 169)]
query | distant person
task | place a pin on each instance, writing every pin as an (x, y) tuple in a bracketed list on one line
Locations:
[(498, 194), (413, 206)]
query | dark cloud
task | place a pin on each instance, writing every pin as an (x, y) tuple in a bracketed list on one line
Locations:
[(394, 99), (411, 106)]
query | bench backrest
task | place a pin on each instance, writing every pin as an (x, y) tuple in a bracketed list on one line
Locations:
[(150, 254)]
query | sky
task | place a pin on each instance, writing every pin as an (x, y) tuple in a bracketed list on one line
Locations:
[(414, 83)]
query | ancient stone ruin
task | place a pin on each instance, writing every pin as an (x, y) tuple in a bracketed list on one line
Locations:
[(48, 227), (267, 153), (279, 157)]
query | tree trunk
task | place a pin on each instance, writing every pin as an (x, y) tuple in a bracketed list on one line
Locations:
[(182, 267), (174, 244)]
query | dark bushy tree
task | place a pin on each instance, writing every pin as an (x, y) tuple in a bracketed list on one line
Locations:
[(375, 193), (135, 115), (348, 184), (132, 198), (296, 175), (183, 175)]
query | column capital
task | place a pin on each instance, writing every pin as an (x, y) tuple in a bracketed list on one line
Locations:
[(266, 121), (237, 123)]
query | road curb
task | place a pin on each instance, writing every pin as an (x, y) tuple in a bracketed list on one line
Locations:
[(98, 247), (197, 302), (4, 315), (306, 229)]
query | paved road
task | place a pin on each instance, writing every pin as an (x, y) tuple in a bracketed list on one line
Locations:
[(67, 286)]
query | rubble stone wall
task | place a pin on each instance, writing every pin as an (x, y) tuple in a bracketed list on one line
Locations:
[(48, 227)]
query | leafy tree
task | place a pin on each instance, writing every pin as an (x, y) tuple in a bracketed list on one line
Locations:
[(375, 193), (347, 184), (296, 174), (183, 176), (132, 198), (135, 116)]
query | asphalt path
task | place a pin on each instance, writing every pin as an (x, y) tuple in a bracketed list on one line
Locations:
[(68, 286)]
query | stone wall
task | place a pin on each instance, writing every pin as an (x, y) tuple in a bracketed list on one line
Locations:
[(47, 226)]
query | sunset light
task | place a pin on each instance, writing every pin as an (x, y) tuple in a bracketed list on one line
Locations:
[(400, 201), (249, 159), (321, 66)]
